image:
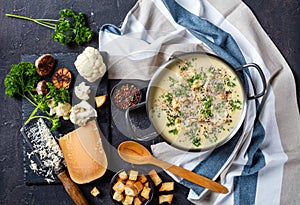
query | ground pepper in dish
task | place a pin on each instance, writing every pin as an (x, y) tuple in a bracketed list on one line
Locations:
[(126, 95)]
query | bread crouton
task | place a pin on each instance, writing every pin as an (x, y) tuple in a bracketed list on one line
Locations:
[(138, 185), (165, 198), (133, 175), (154, 177), (142, 178), (128, 200), (129, 183), (119, 186), (146, 192), (123, 175), (95, 192), (167, 186), (118, 196), (131, 191), (137, 201)]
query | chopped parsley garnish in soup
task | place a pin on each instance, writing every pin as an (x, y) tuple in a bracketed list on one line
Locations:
[(201, 103)]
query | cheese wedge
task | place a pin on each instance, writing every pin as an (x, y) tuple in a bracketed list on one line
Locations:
[(84, 154)]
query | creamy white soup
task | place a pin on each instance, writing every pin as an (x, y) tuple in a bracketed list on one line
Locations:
[(196, 102)]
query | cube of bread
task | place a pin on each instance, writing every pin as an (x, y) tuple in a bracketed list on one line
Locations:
[(137, 201), (123, 175), (138, 186), (131, 191), (95, 192), (133, 175), (128, 200), (119, 186), (154, 177), (142, 178), (146, 192), (118, 179), (165, 198), (118, 196), (167, 186), (129, 183)]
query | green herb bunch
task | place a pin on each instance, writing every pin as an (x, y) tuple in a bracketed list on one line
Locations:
[(70, 27), (22, 80)]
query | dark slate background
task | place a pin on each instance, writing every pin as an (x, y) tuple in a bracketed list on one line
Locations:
[(280, 20)]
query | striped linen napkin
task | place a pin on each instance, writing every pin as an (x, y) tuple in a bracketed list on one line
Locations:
[(258, 164)]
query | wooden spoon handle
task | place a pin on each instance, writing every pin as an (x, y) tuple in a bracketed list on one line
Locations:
[(71, 188), (190, 176)]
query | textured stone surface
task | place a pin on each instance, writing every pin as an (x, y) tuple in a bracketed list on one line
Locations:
[(280, 19)]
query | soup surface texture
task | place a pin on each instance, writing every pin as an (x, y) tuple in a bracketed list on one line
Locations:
[(196, 102)]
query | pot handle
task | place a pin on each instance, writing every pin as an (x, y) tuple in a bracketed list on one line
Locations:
[(135, 132), (262, 76)]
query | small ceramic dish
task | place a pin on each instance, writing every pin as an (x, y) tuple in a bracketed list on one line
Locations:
[(131, 186), (125, 95)]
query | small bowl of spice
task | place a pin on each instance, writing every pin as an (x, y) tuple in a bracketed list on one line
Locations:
[(125, 95)]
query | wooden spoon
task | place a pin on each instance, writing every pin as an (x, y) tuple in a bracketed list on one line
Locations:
[(136, 153)]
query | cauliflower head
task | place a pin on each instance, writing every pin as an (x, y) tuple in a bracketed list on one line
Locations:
[(82, 91), (82, 113), (90, 65)]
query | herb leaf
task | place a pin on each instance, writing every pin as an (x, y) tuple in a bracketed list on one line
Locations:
[(22, 80), (70, 27), (174, 131)]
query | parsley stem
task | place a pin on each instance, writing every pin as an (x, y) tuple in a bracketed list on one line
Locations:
[(33, 113), (40, 116), (50, 20), (29, 100), (20, 17), (38, 21), (47, 24)]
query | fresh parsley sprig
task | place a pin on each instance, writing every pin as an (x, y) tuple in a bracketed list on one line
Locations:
[(70, 27), (22, 80)]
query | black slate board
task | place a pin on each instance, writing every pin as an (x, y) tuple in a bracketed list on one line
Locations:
[(99, 88)]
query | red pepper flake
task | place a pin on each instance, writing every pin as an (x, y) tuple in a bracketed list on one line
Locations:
[(126, 95)]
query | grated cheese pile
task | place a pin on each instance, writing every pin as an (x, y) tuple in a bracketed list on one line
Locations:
[(45, 148)]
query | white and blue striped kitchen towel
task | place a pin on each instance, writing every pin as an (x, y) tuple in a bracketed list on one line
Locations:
[(259, 164)]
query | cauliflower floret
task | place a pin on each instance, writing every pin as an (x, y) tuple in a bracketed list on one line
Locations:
[(81, 113), (51, 105), (61, 110), (82, 91), (90, 64)]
